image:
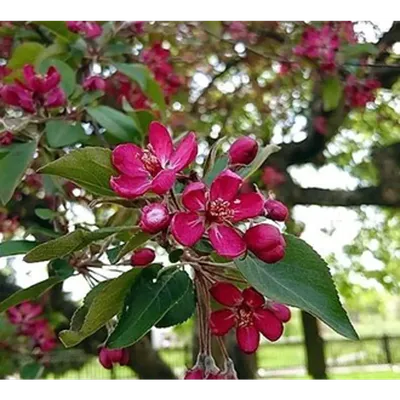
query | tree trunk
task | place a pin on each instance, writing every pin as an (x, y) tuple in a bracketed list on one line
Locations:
[(314, 346)]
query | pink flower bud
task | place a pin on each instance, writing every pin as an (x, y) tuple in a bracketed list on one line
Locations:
[(6, 138), (155, 217), (142, 257), (266, 242), (195, 373), (276, 210), (92, 83), (109, 357), (243, 150)]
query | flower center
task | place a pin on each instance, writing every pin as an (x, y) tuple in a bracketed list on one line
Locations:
[(151, 162), (245, 317), (219, 210)]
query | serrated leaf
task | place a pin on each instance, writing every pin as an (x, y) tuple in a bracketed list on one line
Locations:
[(68, 76), (89, 168), (331, 93), (219, 166), (104, 305), (30, 293), (302, 279), (146, 304), (12, 168), (120, 127), (136, 241), (15, 247), (181, 311), (63, 133), (67, 244), (256, 164)]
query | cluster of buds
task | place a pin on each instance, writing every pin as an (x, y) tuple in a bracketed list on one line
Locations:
[(26, 316), (88, 29), (8, 225), (35, 92), (108, 358), (359, 92), (205, 368)]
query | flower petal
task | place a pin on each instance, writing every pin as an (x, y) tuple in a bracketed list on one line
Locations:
[(227, 294), (226, 241), (222, 321), (194, 196), (126, 158), (248, 338), (187, 228), (130, 187), (225, 186), (268, 324), (247, 205), (253, 298), (163, 181), (161, 142), (185, 153), (280, 310)]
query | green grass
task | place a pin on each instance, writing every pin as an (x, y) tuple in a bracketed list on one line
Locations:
[(378, 375)]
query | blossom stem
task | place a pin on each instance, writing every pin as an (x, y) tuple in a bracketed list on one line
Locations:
[(222, 346)]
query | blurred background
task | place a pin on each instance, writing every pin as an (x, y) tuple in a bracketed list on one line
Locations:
[(338, 171)]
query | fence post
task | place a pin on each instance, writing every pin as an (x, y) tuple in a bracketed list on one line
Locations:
[(386, 348)]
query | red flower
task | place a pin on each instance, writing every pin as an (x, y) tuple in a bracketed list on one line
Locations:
[(272, 177), (109, 357), (248, 312), (142, 257), (359, 92), (266, 242), (43, 335), (24, 313), (92, 83), (276, 210), (243, 150), (4, 71), (91, 30), (214, 211), (6, 138), (152, 169), (155, 218), (137, 27)]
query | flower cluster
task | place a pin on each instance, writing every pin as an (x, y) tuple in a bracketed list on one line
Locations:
[(90, 30), (36, 91), (249, 313), (26, 317), (359, 92), (8, 225)]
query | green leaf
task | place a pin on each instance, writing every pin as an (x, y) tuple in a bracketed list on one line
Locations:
[(59, 28), (143, 118), (30, 293), (25, 53), (219, 166), (120, 127), (256, 164), (356, 50), (63, 133), (68, 77), (142, 76), (214, 27), (175, 255), (12, 168), (54, 49), (62, 268), (302, 279), (181, 311), (104, 304), (67, 244), (15, 247), (45, 213), (148, 302), (89, 168), (31, 370), (203, 246), (212, 155), (331, 93), (135, 242)]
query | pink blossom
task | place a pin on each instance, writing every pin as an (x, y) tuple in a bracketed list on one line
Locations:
[(42, 334), (154, 218), (154, 168), (4, 71), (6, 138), (266, 242), (95, 82), (272, 177), (359, 92), (109, 357), (276, 210), (91, 30), (137, 27), (243, 150), (24, 313), (142, 257), (248, 312), (214, 211), (8, 225)]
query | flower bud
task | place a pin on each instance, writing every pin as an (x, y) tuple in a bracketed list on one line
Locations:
[(6, 138), (195, 373), (142, 257), (243, 150), (155, 217), (92, 83), (276, 210), (109, 357), (266, 242)]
